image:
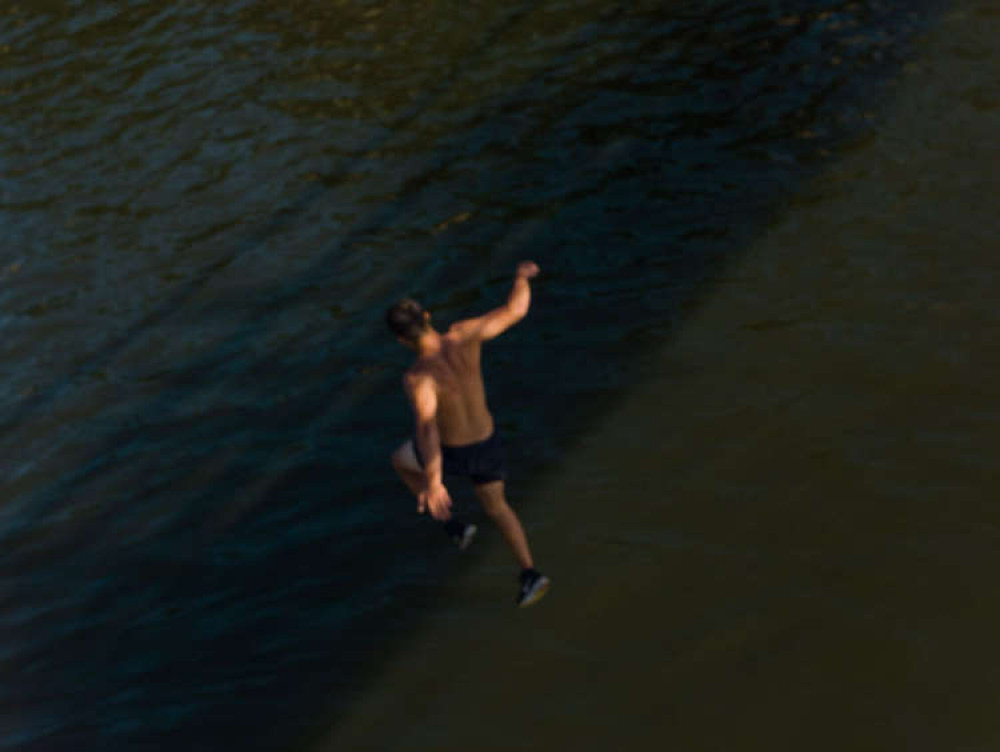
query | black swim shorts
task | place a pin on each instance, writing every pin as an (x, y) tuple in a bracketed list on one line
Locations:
[(482, 462)]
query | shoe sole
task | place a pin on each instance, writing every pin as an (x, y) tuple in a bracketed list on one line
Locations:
[(537, 594), (466, 540)]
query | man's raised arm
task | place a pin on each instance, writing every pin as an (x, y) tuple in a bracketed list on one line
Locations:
[(501, 319)]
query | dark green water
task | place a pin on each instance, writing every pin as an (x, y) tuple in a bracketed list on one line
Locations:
[(206, 208)]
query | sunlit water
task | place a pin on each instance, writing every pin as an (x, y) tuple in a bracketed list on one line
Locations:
[(207, 207)]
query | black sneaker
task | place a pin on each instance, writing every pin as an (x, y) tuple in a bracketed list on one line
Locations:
[(534, 585)]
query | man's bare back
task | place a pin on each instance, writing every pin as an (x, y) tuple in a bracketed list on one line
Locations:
[(455, 431), (455, 373)]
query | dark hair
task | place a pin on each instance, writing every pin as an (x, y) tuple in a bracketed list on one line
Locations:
[(406, 319)]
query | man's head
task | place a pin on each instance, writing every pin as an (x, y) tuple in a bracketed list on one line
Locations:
[(408, 321)]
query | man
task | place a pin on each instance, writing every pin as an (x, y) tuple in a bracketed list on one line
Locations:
[(455, 433)]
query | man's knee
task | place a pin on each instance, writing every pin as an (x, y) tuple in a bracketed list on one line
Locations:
[(496, 509), (397, 458), (493, 500), (404, 461)]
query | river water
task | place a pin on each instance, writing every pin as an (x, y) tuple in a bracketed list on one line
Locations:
[(206, 208)]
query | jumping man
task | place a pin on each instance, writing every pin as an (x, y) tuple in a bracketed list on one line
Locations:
[(455, 433)]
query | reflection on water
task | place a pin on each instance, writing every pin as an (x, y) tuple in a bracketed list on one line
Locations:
[(206, 208)]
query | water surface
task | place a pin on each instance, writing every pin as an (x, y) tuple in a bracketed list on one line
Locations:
[(207, 208)]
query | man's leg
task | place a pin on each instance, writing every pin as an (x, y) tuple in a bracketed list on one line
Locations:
[(405, 463), (491, 496), (533, 584), (404, 460)]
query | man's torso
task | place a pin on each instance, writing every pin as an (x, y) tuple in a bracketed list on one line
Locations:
[(463, 416)]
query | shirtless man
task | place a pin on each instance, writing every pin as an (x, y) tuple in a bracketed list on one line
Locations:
[(455, 433)]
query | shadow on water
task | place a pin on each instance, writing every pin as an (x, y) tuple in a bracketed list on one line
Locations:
[(254, 561)]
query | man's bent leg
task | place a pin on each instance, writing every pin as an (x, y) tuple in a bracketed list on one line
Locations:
[(491, 496), (404, 461)]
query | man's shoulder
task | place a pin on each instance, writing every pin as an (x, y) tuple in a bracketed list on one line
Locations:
[(465, 331)]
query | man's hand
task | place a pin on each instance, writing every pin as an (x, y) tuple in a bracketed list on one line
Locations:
[(527, 269), (435, 497)]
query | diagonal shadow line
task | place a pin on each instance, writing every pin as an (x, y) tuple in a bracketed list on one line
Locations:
[(345, 403), (281, 219)]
